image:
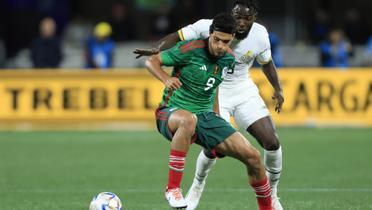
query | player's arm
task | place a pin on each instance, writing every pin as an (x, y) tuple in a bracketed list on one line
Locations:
[(270, 71), (192, 31), (154, 66), (168, 41), (271, 74), (165, 43)]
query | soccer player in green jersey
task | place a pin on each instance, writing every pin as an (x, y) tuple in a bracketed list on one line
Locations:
[(186, 114)]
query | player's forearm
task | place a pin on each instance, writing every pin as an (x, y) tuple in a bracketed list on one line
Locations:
[(153, 65), (168, 41), (272, 75)]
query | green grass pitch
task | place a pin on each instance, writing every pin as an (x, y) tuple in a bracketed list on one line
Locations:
[(323, 169)]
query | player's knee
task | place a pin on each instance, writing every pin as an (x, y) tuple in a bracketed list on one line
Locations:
[(271, 142), (188, 123), (209, 154), (255, 159), (252, 158)]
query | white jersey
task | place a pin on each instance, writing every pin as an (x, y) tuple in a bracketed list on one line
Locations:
[(239, 96), (255, 46)]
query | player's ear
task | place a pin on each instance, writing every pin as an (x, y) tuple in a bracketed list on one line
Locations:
[(254, 18)]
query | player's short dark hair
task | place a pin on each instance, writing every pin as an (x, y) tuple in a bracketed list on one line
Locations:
[(223, 22), (251, 4)]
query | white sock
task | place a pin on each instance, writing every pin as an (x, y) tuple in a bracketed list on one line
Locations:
[(273, 164), (203, 166)]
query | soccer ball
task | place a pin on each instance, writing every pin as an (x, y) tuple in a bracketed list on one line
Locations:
[(105, 201)]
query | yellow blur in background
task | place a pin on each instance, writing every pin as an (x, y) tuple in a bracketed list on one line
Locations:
[(313, 96)]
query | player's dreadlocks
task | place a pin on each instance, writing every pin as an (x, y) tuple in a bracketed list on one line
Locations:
[(251, 4), (223, 22)]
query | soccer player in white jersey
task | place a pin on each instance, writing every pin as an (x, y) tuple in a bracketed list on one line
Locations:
[(238, 95)]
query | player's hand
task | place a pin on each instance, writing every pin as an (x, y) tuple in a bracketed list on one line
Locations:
[(279, 98), (148, 52), (173, 83)]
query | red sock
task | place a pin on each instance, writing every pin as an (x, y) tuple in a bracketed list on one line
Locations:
[(176, 165), (263, 194)]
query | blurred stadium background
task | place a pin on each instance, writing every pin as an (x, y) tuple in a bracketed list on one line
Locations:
[(69, 131), (298, 26)]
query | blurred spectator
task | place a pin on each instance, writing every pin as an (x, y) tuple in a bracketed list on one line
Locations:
[(367, 60), (56, 9), (100, 48), (335, 52), (46, 49), (275, 52), (123, 27)]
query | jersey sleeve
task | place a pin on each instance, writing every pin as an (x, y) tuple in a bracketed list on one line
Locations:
[(264, 56), (175, 55), (196, 30)]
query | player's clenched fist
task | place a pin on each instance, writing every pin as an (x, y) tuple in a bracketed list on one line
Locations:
[(173, 83)]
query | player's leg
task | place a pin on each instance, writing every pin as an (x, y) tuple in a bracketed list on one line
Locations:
[(264, 131), (204, 164), (238, 147), (254, 116), (219, 137), (181, 124)]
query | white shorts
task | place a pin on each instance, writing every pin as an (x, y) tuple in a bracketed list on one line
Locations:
[(244, 104)]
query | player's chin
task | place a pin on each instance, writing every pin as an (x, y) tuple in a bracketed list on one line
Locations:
[(219, 54), (241, 34)]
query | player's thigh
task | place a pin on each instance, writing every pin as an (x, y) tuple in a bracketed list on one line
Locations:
[(237, 146), (181, 118), (167, 120), (249, 111)]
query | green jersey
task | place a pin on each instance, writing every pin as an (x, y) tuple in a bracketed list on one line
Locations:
[(199, 72)]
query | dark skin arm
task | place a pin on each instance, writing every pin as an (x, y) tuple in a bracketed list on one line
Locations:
[(271, 74), (165, 43)]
